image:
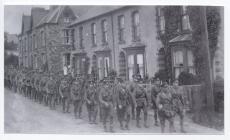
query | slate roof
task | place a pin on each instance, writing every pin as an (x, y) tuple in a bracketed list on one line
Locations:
[(52, 16), (94, 12), (37, 14)]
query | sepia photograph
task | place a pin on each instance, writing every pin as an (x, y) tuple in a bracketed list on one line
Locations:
[(114, 69)]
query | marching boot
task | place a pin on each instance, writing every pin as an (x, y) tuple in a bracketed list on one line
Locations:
[(111, 129), (145, 124), (138, 124), (121, 125), (105, 128), (127, 127)]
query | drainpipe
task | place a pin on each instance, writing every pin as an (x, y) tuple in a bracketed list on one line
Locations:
[(114, 65)]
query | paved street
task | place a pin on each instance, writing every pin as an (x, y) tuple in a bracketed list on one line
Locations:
[(25, 116)]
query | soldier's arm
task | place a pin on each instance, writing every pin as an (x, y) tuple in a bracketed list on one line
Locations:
[(114, 97), (133, 97), (100, 99), (158, 101), (60, 91)]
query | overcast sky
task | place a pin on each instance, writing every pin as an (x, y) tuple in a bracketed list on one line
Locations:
[(13, 17)]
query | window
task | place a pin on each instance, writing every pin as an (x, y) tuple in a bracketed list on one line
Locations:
[(81, 37), (42, 38), (93, 32), (35, 41), (178, 58), (191, 68), (66, 20), (140, 64), (161, 18), (121, 28), (106, 66), (25, 43), (66, 63), (136, 26), (100, 66), (36, 61), (178, 62), (67, 36), (131, 66), (104, 32), (43, 58), (185, 19)]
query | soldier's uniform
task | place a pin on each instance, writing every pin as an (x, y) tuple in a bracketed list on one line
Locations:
[(32, 83), (141, 104), (28, 85), (64, 91), (130, 87), (76, 96), (91, 98), (50, 90), (165, 108), (107, 102), (124, 100), (42, 89), (155, 90), (178, 104), (37, 87)]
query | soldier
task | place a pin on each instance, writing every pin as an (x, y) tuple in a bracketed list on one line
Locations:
[(32, 83), (130, 87), (91, 98), (108, 106), (42, 86), (76, 97), (141, 100), (37, 87), (50, 90), (64, 91), (178, 103), (124, 100), (155, 90), (165, 108)]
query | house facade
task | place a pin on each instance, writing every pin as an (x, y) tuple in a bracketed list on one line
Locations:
[(127, 39), (122, 38), (41, 41)]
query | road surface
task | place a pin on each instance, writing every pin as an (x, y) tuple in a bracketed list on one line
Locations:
[(23, 115)]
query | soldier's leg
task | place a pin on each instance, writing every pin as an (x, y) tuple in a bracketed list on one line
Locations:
[(120, 116), (171, 124), (156, 116), (133, 111), (138, 113), (80, 108), (181, 115), (95, 110), (111, 118), (100, 113), (68, 101), (127, 116), (89, 111), (105, 116), (145, 111), (63, 104), (162, 121)]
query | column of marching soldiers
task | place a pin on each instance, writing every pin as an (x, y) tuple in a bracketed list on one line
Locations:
[(105, 98)]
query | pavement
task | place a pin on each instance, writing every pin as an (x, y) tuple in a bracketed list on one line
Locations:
[(22, 115)]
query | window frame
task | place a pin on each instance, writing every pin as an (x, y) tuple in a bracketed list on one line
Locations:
[(136, 35), (104, 25), (121, 29), (94, 34)]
